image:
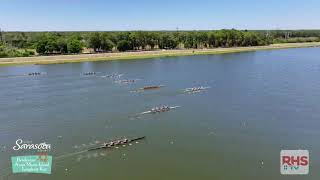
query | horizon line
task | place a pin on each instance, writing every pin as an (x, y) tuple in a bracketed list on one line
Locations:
[(158, 30)]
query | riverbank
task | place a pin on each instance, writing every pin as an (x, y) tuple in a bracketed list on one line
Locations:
[(143, 54)]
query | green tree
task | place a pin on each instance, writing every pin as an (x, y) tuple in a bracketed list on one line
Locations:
[(2, 50), (134, 41), (189, 41), (168, 41), (221, 38), (62, 45), (211, 39), (1, 38), (95, 41), (113, 37), (51, 46), (141, 39), (152, 39), (74, 46), (41, 46), (123, 36), (123, 45), (2, 47), (105, 43)]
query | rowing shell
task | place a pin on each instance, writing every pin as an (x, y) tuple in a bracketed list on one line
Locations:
[(148, 88), (115, 76), (190, 90), (152, 112), (106, 147), (90, 73), (35, 74), (127, 81)]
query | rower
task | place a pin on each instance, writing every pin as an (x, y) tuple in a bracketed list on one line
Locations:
[(112, 143), (162, 108), (124, 141), (117, 142)]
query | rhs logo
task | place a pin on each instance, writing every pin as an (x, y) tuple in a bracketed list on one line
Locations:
[(294, 162)]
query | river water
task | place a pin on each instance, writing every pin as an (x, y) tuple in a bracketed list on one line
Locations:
[(259, 103)]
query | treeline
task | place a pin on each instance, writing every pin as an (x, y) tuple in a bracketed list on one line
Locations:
[(7, 50), (285, 34), (14, 52), (292, 36), (55, 43), (142, 40), (75, 42)]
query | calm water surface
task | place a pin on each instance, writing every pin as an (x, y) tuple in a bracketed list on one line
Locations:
[(259, 103)]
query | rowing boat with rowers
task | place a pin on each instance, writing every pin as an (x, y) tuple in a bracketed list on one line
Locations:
[(195, 89), (36, 74), (127, 81), (159, 109), (118, 142), (148, 88), (113, 76), (89, 73)]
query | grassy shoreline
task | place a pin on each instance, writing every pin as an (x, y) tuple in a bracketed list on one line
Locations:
[(58, 59)]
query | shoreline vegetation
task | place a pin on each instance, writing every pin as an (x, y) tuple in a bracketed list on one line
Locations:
[(64, 47), (58, 59)]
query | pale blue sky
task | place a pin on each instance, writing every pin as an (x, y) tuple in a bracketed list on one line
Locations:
[(85, 15)]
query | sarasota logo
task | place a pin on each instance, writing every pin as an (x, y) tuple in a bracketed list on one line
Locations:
[(28, 145), (40, 163), (294, 162)]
